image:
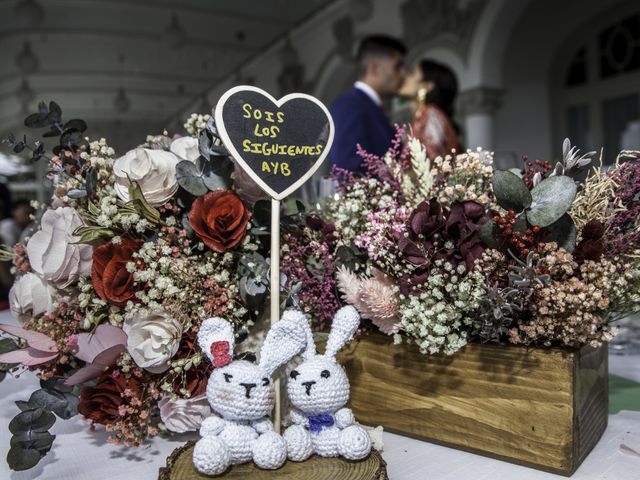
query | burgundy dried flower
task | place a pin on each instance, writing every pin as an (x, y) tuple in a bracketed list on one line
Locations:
[(431, 226), (591, 246), (425, 224), (463, 225)]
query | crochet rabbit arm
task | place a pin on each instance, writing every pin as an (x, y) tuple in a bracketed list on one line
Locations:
[(212, 426), (299, 418), (344, 417), (263, 425)]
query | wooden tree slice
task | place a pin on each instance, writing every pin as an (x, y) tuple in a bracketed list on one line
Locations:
[(180, 467)]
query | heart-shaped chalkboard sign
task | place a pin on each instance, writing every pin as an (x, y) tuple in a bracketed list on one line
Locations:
[(279, 143)]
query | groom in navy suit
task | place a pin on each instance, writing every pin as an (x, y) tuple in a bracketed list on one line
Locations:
[(357, 113)]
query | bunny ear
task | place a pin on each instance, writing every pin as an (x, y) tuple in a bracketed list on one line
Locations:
[(217, 341), (286, 339), (345, 323), (298, 316)]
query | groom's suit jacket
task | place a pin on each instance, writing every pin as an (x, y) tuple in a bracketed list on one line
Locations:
[(358, 120)]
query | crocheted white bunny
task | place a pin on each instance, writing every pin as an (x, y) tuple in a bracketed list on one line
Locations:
[(319, 389), (242, 393)]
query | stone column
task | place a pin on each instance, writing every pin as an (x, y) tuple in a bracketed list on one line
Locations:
[(477, 107)]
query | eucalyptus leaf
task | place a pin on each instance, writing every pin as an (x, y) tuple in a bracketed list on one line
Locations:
[(36, 120), (55, 112), (510, 191), (20, 459), (57, 384), (214, 182), (489, 234), (22, 405), (38, 420), (7, 345), (76, 124), (516, 171), (76, 193), (190, 178), (40, 441), (551, 199), (563, 232), (65, 405)]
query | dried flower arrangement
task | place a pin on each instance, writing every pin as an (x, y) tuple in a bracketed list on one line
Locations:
[(449, 251), (131, 255)]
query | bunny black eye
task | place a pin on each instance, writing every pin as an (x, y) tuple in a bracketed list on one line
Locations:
[(265, 381), (294, 374), (228, 377), (325, 374)]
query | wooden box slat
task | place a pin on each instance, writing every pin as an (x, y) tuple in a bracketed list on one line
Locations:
[(544, 408)]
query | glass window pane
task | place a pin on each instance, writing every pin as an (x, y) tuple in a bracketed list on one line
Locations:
[(617, 113), (578, 126)]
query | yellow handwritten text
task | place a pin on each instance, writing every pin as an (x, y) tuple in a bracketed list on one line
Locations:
[(276, 167), (269, 149), (257, 114)]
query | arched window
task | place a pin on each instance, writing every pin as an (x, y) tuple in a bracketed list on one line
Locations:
[(596, 84)]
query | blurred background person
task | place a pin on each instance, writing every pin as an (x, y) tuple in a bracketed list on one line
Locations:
[(432, 88), (358, 113), (6, 279), (13, 226)]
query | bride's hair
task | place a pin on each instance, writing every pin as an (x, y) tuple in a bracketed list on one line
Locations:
[(445, 85)]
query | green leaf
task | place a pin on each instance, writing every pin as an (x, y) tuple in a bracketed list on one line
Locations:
[(7, 345), (93, 234), (65, 405), (510, 191), (38, 420), (214, 182), (23, 458), (490, 234), (93, 208), (40, 441), (563, 232), (22, 405), (141, 205), (261, 214), (189, 178), (552, 197)]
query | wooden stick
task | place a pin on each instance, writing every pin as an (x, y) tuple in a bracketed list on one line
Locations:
[(275, 293)]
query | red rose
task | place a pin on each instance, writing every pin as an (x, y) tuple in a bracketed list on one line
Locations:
[(109, 272), (100, 403), (219, 219)]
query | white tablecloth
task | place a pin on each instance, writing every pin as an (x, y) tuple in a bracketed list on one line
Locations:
[(79, 454)]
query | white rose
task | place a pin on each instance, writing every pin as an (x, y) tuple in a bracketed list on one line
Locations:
[(184, 415), (187, 148), (53, 251), (153, 340), (29, 296), (154, 170)]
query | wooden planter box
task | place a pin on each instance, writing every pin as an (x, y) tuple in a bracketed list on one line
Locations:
[(543, 408)]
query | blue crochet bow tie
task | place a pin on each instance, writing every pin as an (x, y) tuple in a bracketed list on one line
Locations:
[(318, 422)]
